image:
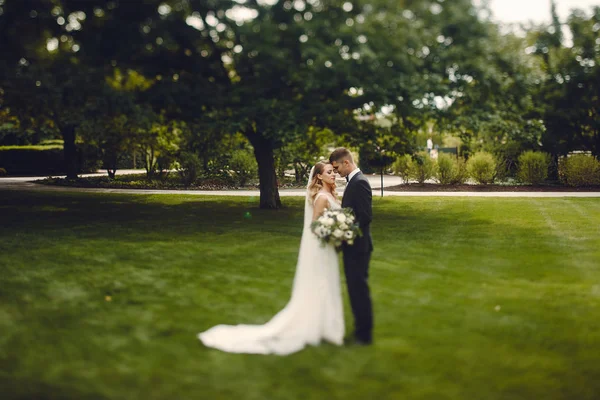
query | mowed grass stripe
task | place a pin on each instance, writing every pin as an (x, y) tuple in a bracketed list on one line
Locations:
[(101, 296)]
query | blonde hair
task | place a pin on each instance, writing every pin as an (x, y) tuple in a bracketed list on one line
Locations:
[(316, 184)]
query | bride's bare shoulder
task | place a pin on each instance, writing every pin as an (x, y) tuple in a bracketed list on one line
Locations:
[(320, 197)]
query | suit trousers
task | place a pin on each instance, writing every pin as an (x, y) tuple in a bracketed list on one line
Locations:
[(356, 268)]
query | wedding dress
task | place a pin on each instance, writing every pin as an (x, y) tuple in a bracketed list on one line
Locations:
[(314, 312)]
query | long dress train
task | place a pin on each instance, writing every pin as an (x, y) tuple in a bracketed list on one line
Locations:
[(314, 312)]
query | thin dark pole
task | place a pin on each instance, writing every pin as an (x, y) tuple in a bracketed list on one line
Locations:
[(381, 182)]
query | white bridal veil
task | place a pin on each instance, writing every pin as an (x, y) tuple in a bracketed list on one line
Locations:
[(313, 313)]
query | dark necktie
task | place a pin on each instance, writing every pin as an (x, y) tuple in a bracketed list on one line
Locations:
[(347, 179)]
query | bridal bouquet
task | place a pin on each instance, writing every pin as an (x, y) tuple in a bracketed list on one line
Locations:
[(336, 227)]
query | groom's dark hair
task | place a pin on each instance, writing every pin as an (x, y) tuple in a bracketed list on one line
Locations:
[(341, 153)]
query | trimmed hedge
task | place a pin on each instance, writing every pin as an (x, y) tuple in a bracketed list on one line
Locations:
[(451, 170), (580, 170), (32, 160), (533, 167), (423, 167), (45, 160), (403, 167), (482, 167)]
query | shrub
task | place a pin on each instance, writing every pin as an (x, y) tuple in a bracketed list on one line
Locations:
[(45, 159), (482, 167), (165, 162), (451, 170), (423, 167), (90, 157), (461, 172), (403, 167), (504, 167), (580, 170), (3, 172), (445, 169), (188, 167), (244, 165), (32, 160), (533, 167)]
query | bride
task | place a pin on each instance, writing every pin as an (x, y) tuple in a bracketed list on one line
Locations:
[(314, 312)]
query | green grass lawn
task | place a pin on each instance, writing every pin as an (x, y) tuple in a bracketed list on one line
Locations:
[(101, 297)]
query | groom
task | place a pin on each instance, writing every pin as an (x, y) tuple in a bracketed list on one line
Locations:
[(357, 196)]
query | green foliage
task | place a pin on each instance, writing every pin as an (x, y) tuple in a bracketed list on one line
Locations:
[(380, 141), (32, 160), (423, 167), (52, 142), (403, 167), (90, 158), (281, 72), (462, 174), (39, 147), (188, 166), (482, 167), (112, 135), (533, 167), (451, 170), (304, 152), (244, 165), (568, 91), (159, 145), (445, 168), (3, 172), (131, 81), (140, 181), (580, 170)]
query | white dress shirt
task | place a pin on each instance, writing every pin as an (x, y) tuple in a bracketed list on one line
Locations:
[(351, 174)]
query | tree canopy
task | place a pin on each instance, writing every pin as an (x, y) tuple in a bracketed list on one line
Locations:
[(277, 72)]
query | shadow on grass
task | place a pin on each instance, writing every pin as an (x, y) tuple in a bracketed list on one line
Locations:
[(180, 215), (432, 312), (426, 230), (138, 215), (33, 389)]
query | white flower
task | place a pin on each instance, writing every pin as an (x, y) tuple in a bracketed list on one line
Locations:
[(348, 234), (337, 233), (341, 218), (328, 221), (343, 226), (350, 242), (350, 219), (320, 231)]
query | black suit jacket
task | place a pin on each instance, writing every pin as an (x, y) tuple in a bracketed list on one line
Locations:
[(358, 196)]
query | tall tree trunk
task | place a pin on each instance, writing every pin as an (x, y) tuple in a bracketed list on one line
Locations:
[(267, 175), (70, 151)]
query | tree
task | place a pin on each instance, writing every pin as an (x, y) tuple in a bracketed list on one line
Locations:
[(495, 106), (567, 89), (304, 152), (44, 84), (270, 70), (274, 69)]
